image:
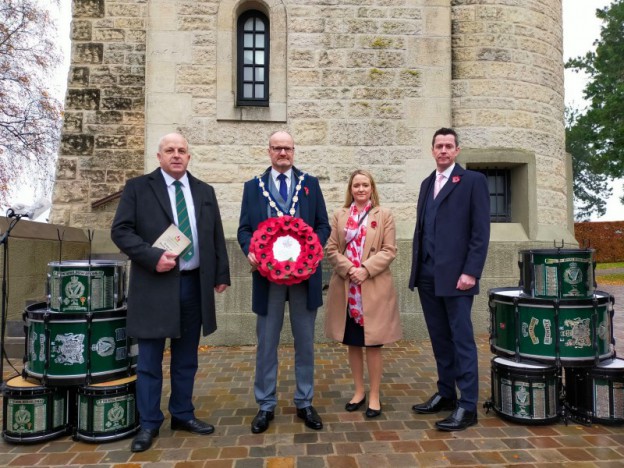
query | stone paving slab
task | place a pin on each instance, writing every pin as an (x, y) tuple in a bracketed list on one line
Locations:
[(398, 438)]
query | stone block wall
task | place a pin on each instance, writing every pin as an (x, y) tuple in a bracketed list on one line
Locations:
[(508, 92), (358, 84), (103, 136)]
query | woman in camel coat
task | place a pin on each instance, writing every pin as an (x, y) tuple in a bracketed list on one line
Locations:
[(361, 309)]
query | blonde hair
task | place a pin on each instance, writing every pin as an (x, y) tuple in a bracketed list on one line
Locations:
[(374, 195)]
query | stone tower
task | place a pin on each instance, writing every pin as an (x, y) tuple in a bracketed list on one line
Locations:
[(358, 83)]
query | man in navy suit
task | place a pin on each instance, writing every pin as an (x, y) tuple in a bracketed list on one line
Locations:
[(284, 189), (449, 251), (170, 296)]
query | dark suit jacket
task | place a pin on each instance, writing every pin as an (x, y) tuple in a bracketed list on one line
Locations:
[(143, 214), (254, 210), (462, 230)]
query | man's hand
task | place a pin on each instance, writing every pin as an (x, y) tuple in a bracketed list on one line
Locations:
[(220, 287), (251, 258), (465, 282), (167, 262)]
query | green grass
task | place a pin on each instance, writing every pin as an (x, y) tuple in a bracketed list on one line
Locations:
[(613, 279), (616, 279), (607, 266)]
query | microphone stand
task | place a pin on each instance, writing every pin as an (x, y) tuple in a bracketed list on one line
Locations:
[(4, 240)]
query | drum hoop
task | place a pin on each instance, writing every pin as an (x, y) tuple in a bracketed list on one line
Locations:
[(65, 317), (115, 435), (87, 263), (602, 298), (77, 379), (555, 251)]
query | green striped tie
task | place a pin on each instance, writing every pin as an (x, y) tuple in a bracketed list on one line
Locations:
[(183, 219)]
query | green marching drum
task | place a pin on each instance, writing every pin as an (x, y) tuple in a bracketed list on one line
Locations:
[(33, 413), (86, 285), (557, 273), (596, 394), (68, 349), (525, 393), (107, 411), (575, 332)]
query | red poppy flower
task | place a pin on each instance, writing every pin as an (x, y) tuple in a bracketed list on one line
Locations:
[(456, 179), (373, 224)]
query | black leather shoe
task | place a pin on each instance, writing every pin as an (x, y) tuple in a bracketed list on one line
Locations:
[(310, 417), (355, 406), (372, 413), (143, 440), (435, 404), (458, 420), (261, 422), (193, 425)]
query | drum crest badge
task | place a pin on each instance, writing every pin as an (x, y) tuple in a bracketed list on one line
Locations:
[(75, 292), (22, 419), (115, 415), (603, 330), (523, 399), (70, 348), (573, 274), (576, 333), (104, 347)]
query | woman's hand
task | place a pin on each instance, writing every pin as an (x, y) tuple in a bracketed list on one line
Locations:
[(358, 275)]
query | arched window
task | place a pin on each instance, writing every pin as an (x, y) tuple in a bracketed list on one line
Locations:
[(253, 59)]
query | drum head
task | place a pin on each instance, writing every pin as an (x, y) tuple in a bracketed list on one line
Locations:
[(519, 365), (21, 382), (615, 364), (115, 383), (504, 293)]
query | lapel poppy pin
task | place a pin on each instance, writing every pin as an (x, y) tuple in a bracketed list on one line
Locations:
[(456, 179), (373, 224), (306, 190)]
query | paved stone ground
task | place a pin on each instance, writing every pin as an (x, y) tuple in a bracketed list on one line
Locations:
[(398, 438)]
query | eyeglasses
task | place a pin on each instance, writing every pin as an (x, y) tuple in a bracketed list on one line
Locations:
[(279, 149)]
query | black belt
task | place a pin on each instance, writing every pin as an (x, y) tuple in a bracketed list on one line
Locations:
[(189, 272)]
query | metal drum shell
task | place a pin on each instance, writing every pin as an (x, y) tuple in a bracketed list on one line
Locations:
[(94, 346), (557, 273), (86, 285), (524, 392), (45, 408), (551, 331), (107, 411), (596, 394)]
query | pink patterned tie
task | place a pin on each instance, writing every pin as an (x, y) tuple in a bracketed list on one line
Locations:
[(438, 185)]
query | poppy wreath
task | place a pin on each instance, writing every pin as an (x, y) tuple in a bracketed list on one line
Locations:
[(287, 249)]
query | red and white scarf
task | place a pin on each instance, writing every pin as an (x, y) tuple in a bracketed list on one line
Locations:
[(355, 235)]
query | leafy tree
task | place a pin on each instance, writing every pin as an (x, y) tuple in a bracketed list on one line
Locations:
[(597, 136), (591, 189), (30, 118)]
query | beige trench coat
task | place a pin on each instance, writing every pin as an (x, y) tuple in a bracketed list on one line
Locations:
[(382, 324)]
